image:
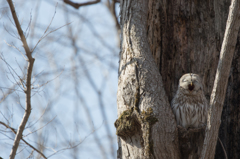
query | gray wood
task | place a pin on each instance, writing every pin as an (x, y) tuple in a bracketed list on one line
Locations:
[(137, 67), (183, 36)]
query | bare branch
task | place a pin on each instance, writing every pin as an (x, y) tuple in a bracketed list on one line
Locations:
[(45, 35), (225, 153), (12, 70), (112, 9), (31, 154), (10, 91), (98, 92), (13, 130), (28, 82), (41, 127), (221, 80), (82, 99), (19, 29), (77, 5)]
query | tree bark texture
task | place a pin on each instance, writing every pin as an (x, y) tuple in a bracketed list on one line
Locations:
[(186, 36), (183, 36), (138, 74), (221, 80)]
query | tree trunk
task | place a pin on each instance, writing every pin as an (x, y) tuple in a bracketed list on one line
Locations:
[(183, 36), (140, 80)]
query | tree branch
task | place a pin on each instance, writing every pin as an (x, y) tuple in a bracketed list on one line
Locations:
[(19, 29), (13, 130), (112, 9), (221, 80), (28, 83), (77, 5)]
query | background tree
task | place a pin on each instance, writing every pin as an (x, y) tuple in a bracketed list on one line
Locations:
[(183, 36)]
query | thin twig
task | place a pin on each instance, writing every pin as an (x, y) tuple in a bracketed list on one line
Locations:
[(71, 147), (13, 130), (12, 70), (45, 35), (32, 124), (10, 91), (41, 127), (225, 153)]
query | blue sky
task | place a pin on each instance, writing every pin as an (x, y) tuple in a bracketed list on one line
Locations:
[(57, 61)]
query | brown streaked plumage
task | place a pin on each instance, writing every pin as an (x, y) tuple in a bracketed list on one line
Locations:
[(190, 105)]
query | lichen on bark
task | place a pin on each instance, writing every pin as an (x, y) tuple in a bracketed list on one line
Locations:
[(130, 122), (126, 124), (148, 120), (148, 116)]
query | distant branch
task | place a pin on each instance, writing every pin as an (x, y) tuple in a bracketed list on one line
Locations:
[(13, 130), (112, 9), (77, 5)]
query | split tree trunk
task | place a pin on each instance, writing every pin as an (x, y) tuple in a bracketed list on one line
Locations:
[(186, 36), (138, 74), (183, 36)]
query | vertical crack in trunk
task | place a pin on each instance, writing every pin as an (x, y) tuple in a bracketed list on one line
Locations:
[(145, 120)]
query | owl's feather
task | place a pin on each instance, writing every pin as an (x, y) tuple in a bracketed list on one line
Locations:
[(190, 104)]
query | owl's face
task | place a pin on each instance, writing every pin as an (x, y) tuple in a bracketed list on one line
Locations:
[(190, 84)]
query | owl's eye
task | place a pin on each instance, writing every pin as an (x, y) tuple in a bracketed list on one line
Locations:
[(184, 80)]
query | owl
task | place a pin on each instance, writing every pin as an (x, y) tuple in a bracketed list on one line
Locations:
[(190, 105)]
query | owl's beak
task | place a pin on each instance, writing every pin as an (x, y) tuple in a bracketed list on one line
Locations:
[(190, 86)]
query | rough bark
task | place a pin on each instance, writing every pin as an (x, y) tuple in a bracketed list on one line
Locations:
[(138, 74), (229, 132), (221, 79), (186, 36)]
